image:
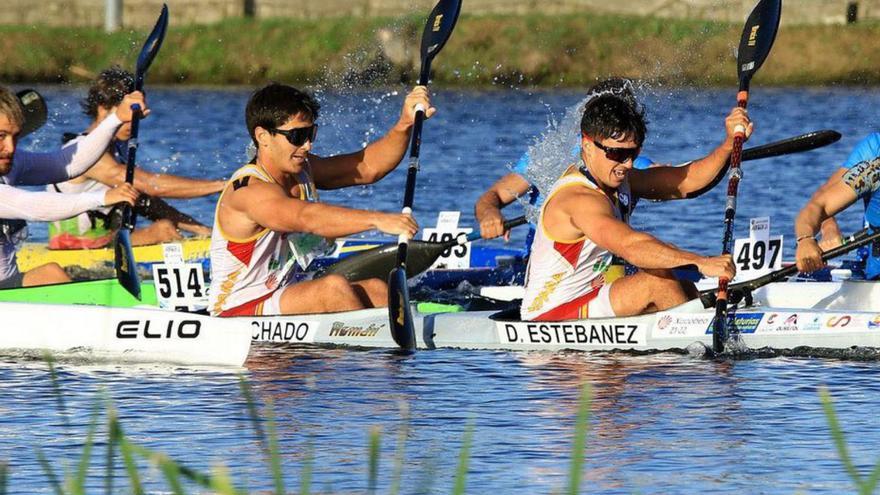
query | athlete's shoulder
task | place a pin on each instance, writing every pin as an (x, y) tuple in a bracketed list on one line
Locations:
[(866, 149)]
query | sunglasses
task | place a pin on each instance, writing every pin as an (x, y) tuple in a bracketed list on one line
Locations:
[(619, 155), (300, 135)]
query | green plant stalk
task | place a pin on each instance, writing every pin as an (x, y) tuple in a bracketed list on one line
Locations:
[(253, 413), (56, 389), (579, 442), (397, 473), (463, 460), (375, 446), (127, 451), (77, 484), (305, 478), (4, 477), (274, 452), (47, 468)]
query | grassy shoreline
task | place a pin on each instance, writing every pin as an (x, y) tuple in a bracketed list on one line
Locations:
[(485, 51)]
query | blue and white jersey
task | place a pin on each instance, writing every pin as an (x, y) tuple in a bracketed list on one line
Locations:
[(863, 177)]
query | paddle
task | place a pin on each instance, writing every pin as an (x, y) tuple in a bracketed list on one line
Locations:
[(737, 291), (376, 262), (126, 270), (439, 27), (757, 38), (35, 111)]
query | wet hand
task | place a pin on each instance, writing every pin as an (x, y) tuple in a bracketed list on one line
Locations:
[(718, 266), (123, 110), (492, 226), (123, 193), (419, 96), (738, 118), (809, 256), (397, 223)]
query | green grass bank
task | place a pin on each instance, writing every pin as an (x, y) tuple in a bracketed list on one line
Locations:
[(484, 51)]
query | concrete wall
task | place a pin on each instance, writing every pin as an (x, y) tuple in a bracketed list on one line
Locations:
[(142, 13)]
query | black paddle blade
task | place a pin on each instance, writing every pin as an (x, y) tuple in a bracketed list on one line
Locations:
[(403, 330), (757, 39), (35, 111), (439, 27), (126, 269), (804, 142), (378, 261), (151, 47)]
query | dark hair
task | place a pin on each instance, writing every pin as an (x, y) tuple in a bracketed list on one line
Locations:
[(609, 116), (10, 106), (108, 90), (273, 105), (620, 87)]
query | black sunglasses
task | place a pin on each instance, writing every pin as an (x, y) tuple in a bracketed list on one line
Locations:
[(619, 155), (300, 135)]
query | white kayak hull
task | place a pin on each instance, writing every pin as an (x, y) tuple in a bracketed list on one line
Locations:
[(818, 315), (122, 334), (786, 316)]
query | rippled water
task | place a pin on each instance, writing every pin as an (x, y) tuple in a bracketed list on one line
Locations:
[(660, 424)]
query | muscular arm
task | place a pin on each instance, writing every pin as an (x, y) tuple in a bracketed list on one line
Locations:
[(592, 214), (503, 192), (35, 169), (110, 172), (379, 157), (690, 180), (267, 206), (365, 166), (45, 206), (828, 201)]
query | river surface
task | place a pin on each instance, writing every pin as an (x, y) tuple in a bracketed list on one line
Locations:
[(661, 423)]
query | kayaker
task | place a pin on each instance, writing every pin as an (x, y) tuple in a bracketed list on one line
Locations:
[(95, 228), (583, 223), (24, 168), (269, 224), (515, 185), (858, 178)]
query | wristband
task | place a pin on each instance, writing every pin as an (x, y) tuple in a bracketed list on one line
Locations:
[(799, 239)]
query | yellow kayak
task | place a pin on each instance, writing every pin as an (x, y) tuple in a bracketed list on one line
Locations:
[(33, 254)]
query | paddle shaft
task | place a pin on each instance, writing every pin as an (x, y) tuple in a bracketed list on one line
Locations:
[(128, 216), (719, 330)]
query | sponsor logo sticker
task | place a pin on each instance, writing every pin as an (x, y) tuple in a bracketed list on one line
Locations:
[(679, 325), (741, 322)]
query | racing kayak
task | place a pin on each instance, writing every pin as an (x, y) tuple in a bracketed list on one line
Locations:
[(488, 265), (826, 315), (33, 254), (785, 316)]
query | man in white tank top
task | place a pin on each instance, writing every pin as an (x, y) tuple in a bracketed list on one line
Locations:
[(268, 218), (583, 223)]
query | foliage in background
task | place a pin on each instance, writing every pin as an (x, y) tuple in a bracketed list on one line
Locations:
[(491, 50)]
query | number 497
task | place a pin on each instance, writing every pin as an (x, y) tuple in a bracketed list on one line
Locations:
[(758, 254)]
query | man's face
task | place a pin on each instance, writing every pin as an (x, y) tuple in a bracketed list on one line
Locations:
[(610, 159), (9, 131), (284, 154)]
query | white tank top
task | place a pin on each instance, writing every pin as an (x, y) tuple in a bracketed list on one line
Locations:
[(243, 270), (561, 271)]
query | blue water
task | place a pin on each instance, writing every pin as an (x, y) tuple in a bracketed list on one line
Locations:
[(660, 424)]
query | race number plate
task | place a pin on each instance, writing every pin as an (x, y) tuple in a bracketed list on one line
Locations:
[(760, 253), (180, 286), (447, 229)]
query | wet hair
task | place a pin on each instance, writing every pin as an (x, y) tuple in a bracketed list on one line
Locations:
[(10, 106), (108, 90), (620, 87), (612, 117), (273, 105)]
